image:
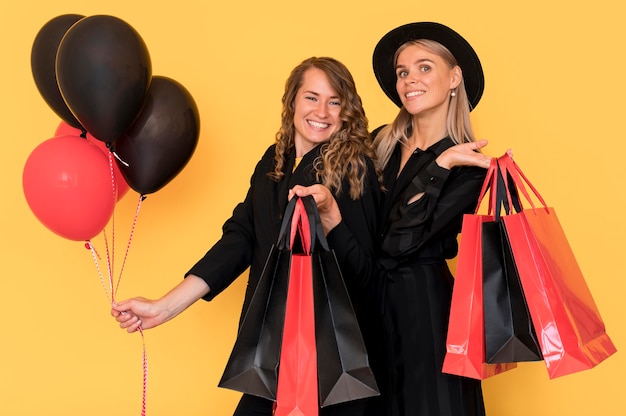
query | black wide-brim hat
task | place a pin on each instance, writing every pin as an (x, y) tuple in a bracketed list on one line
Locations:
[(384, 65)]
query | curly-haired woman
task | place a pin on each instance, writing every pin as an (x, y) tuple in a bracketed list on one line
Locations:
[(323, 140)]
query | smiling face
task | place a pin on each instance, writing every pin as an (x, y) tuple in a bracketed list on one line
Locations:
[(317, 111), (424, 80)]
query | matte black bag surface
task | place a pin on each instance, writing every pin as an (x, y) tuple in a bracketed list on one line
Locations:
[(509, 333), (343, 369), (253, 364)]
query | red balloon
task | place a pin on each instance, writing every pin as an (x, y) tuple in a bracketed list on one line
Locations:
[(64, 129), (67, 184)]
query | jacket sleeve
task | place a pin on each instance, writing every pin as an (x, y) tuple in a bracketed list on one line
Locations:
[(353, 240), (232, 253)]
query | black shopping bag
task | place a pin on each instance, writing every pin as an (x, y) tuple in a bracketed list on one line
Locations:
[(509, 333), (253, 364), (344, 373), (343, 370)]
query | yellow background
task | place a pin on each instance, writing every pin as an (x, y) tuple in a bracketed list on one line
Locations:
[(554, 93)]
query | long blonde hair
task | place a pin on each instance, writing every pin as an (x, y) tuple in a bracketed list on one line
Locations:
[(347, 150), (458, 124)]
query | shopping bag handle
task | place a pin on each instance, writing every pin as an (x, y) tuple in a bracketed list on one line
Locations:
[(283, 242), (488, 184), (301, 214), (297, 222), (317, 231), (495, 184), (507, 197), (300, 225), (294, 222), (511, 170)]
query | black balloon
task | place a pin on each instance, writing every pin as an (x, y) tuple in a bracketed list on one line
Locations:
[(42, 62), (160, 142), (103, 70)]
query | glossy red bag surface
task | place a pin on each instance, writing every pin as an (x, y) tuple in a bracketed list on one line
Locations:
[(297, 392), (571, 332), (465, 343), (297, 379)]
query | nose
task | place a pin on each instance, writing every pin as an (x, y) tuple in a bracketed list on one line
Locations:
[(321, 110)]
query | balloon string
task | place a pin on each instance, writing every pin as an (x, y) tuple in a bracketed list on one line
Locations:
[(144, 356), (110, 258), (109, 268), (143, 340), (123, 162), (96, 256), (112, 151), (130, 238)]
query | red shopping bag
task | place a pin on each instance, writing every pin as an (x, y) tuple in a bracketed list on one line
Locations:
[(297, 392), (571, 332), (321, 322), (465, 343)]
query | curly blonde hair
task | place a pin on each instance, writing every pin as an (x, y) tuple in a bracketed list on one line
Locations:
[(346, 152)]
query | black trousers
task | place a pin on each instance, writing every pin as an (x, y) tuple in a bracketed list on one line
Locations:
[(257, 406)]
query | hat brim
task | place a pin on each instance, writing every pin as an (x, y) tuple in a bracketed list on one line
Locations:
[(384, 66)]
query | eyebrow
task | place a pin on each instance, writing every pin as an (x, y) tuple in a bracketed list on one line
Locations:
[(419, 61), (317, 94)]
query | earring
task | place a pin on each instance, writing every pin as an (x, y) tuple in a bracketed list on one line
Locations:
[(452, 93)]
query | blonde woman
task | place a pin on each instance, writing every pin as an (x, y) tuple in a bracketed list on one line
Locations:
[(433, 171)]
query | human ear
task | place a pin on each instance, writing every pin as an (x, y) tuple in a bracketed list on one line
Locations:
[(456, 77)]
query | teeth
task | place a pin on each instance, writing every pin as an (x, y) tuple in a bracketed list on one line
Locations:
[(414, 93), (317, 124)]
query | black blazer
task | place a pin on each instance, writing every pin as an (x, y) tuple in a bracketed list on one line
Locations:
[(428, 228), (253, 227)]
